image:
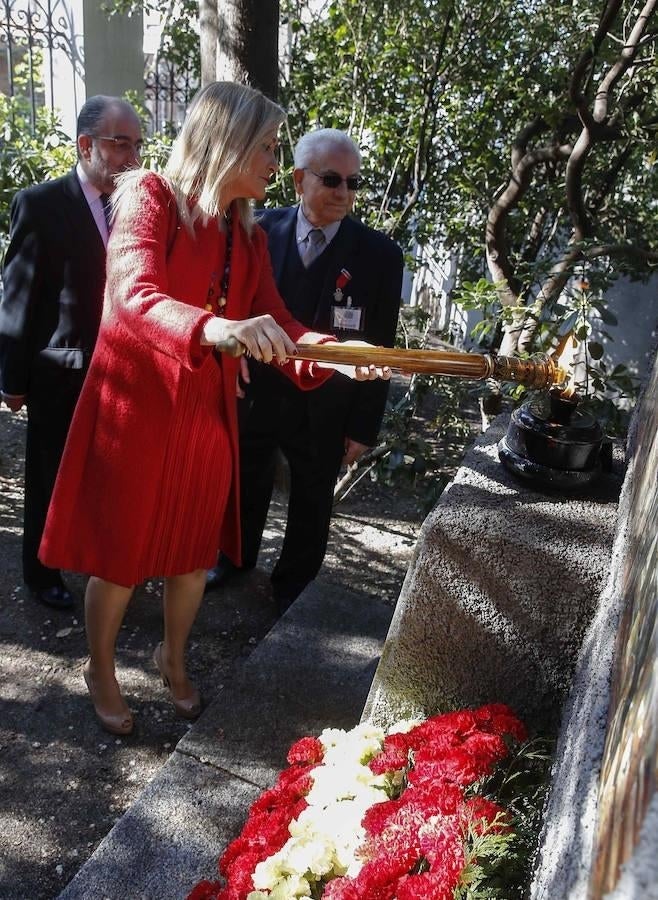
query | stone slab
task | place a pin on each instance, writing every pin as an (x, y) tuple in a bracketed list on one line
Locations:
[(170, 838), (497, 598), (312, 671)]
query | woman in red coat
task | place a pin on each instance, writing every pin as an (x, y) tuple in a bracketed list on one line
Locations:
[(147, 484)]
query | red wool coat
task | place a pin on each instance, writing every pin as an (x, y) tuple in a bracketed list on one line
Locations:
[(148, 481)]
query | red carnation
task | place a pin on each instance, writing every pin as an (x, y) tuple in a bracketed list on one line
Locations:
[(427, 824), (457, 766), (340, 889), (435, 796), (292, 784), (479, 813), (379, 815), (206, 890), (394, 754), (265, 822), (437, 747), (442, 844), (460, 722), (378, 878), (428, 886), (487, 748), (500, 719), (306, 750), (235, 848), (239, 876)]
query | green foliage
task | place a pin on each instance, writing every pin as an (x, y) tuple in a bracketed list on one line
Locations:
[(428, 415), (489, 852), (435, 93), (500, 864), (582, 310), (26, 156)]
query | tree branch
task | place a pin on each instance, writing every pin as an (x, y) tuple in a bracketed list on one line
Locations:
[(628, 53), (498, 261), (423, 146)]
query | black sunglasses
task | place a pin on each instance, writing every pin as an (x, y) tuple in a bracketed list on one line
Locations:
[(331, 180)]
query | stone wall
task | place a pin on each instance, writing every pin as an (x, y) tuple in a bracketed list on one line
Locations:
[(602, 816), (549, 603), (501, 589)]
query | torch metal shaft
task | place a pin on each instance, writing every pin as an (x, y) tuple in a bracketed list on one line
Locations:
[(539, 371)]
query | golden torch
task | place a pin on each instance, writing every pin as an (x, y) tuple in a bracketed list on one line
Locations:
[(538, 371)]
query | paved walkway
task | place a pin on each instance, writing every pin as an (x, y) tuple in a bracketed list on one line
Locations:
[(313, 670)]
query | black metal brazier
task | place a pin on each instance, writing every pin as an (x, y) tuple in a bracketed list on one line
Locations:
[(551, 442)]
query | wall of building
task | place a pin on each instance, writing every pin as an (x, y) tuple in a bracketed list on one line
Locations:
[(114, 57)]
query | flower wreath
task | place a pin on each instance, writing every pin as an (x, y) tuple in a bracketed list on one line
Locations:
[(369, 815)]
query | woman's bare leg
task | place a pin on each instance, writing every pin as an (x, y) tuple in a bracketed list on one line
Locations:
[(105, 607), (182, 598)]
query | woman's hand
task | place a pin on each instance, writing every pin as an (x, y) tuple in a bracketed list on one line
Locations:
[(263, 338), (359, 373)]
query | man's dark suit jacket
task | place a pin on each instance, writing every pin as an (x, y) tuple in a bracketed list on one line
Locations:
[(310, 427), (50, 311), (53, 279), (375, 265)]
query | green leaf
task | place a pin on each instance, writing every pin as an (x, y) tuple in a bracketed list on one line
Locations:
[(607, 315), (595, 349)]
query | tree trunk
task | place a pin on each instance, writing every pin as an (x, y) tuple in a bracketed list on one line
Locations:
[(239, 42)]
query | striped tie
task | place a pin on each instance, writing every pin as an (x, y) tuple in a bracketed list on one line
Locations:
[(315, 241), (107, 211)]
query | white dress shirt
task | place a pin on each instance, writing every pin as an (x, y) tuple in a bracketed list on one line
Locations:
[(93, 198), (304, 227)]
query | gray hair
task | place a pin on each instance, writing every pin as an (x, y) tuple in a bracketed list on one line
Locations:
[(317, 141)]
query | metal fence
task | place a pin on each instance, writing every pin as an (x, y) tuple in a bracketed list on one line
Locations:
[(167, 92), (38, 38), (32, 34)]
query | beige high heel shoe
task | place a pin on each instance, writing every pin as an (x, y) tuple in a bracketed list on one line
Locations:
[(117, 723), (187, 707)]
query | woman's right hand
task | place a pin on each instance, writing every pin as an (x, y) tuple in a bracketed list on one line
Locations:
[(263, 338)]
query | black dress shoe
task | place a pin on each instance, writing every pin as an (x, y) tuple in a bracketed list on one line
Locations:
[(57, 596), (220, 574)]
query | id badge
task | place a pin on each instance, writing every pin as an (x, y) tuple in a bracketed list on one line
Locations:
[(347, 318)]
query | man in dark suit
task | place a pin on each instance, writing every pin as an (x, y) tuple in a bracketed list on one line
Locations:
[(337, 276), (50, 310)]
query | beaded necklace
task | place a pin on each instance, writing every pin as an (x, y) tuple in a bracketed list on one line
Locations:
[(218, 304)]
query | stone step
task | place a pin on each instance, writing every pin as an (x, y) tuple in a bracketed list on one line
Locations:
[(313, 670)]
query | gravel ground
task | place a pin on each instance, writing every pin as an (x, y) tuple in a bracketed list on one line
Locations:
[(63, 780)]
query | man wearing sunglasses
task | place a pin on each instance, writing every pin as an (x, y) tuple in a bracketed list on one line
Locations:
[(337, 276), (53, 278)]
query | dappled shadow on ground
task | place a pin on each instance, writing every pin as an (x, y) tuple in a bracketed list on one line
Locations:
[(64, 780)]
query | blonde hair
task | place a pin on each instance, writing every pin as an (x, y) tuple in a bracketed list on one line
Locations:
[(224, 124)]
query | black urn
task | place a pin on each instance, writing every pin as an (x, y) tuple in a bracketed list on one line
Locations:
[(553, 443)]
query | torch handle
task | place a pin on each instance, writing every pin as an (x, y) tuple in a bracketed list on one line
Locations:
[(538, 372), (231, 347)]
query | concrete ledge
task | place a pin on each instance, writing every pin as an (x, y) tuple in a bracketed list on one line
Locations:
[(502, 586), (312, 671)]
